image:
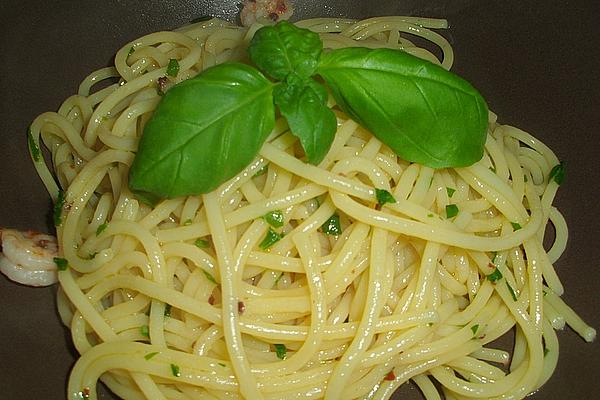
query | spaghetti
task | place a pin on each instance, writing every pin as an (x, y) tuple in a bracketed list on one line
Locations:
[(291, 280)]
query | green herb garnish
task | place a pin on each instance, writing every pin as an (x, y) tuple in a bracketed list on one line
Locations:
[(145, 330), (450, 191), (474, 329), (151, 355), (201, 243), (274, 218), (221, 364), (263, 170), (332, 226), (175, 370), (270, 239), (383, 197), (187, 222), (58, 208), (557, 173), (34, 149), (451, 210), (512, 291), (173, 67), (278, 279), (101, 228), (222, 116), (210, 277), (281, 351), (61, 263), (516, 226), (494, 276)]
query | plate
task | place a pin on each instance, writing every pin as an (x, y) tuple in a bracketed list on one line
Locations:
[(536, 65)]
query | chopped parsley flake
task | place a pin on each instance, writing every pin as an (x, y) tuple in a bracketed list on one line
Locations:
[(210, 277), (222, 364), (451, 210), (58, 208), (33, 146), (450, 191), (175, 370), (516, 226), (150, 355), (332, 226), (474, 328), (494, 276), (263, 170), (145, 330), (61, 263), (101, 228), (270, 239), (512, 291), (274, 218), (201, 243), (281, 351), (383, 197), (557, 173), (278, 279), (173, 67)]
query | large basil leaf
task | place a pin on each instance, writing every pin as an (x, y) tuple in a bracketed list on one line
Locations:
[(204, 131), (421, 111), (304, 104), (283, 49)]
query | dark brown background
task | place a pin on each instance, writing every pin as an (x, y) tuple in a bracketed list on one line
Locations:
[(536, 63)]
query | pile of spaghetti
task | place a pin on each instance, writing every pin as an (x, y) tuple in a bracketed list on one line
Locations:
[(289, 280)]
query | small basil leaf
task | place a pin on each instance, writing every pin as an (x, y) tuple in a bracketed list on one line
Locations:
[(204, 131), (303, 104), (283, 48), (421, 111)]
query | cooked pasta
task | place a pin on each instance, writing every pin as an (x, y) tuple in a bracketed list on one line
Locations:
[(210, 297)]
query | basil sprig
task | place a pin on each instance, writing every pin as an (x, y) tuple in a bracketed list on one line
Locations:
[(421, 111), (207, 129), (204, 131)]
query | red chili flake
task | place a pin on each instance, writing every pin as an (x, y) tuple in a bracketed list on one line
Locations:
[(281, 7), (162, 85), (241, 307), (390, 376), (273, 16), (211, 299)]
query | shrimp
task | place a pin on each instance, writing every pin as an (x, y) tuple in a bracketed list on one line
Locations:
[(265, 11), (28, 257)]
